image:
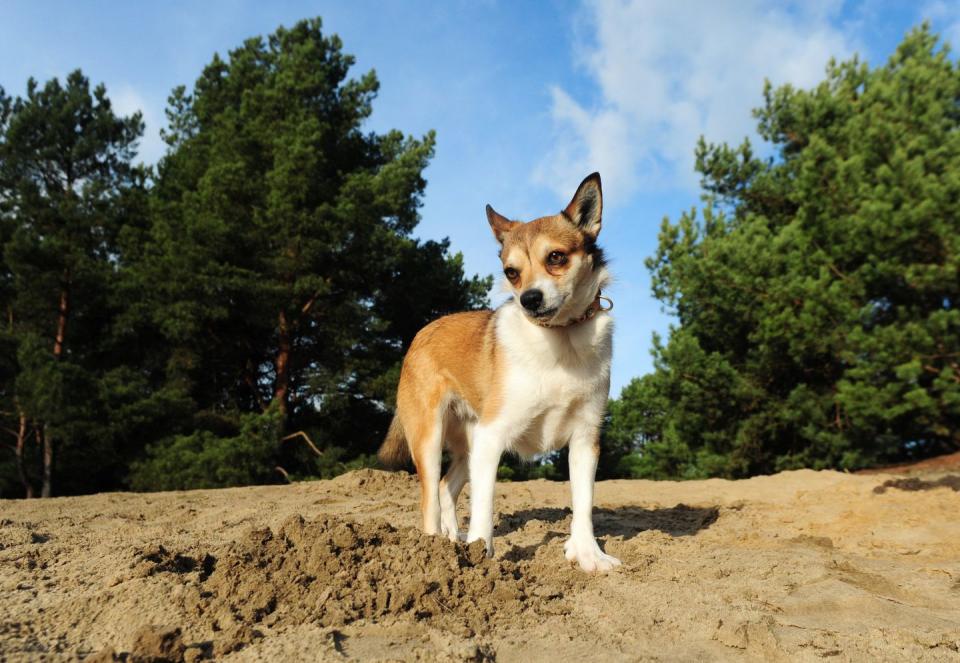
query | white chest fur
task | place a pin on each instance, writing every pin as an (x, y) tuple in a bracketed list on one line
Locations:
[(557, 380)]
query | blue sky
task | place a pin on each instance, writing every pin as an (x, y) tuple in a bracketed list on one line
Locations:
[(526, 97)]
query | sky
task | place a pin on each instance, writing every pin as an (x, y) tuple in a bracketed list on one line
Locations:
[(527, 98)]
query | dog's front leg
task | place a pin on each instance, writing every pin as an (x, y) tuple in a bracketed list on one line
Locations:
[(485, 451), (582, 546)]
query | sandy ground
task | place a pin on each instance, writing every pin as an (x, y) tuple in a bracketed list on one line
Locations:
[(801, 566)]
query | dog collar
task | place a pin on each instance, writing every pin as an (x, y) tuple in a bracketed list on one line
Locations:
[(594, 308)]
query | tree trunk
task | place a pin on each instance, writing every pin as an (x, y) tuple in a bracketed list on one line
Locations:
[(63, 314), (47, 489), (254, 388), (43, 440), (281, 385), (21, 446)]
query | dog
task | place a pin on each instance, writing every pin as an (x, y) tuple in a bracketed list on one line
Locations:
[(531, 377)]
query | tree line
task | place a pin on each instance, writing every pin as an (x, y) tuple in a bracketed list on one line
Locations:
[(238, 313)]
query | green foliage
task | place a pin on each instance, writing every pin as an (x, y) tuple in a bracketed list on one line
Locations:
[(263, 280), (206, 459), (281, 260), (334, 461), (816, 292), (553, 467), (171, 329), (67, 188)]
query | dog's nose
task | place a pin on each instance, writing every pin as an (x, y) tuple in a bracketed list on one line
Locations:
[(532, 299)]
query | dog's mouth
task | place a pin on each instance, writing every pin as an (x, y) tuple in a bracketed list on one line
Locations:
[(545, 314)]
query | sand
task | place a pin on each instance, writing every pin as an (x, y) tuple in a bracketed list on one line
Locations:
[(800, 566)]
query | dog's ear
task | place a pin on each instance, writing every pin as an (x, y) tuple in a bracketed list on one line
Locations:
[(585, 209), (499, 224)]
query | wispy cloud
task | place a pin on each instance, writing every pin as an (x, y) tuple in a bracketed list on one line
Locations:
[(126, 101), (946, 15), (667, 72)]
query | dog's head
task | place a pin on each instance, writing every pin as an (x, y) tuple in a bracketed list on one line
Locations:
[(553, 266)]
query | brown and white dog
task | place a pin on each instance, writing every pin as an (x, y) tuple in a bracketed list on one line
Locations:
[(530, 377)]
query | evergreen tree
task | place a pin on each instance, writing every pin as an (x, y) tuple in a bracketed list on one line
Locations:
[(13, 424), (280, 266), (816, 292), (65, 171)]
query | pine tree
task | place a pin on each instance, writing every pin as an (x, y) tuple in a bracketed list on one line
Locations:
[(65, 162), (280, 265), (816, 291)]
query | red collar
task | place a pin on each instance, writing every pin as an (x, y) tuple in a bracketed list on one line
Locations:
[(594, 308)]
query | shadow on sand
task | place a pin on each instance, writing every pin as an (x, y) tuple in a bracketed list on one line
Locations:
[(626, 522), (951, 481)]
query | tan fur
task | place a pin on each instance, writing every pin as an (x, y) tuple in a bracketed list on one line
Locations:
[(526, 248), (394, 452), (451, 366), (454, 358), (458, 370), (454, 355)]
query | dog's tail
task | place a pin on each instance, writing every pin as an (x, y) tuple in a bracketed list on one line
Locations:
[(394, 452)]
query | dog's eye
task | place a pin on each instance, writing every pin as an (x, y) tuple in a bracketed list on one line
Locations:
[(557, 258), (511, 273)]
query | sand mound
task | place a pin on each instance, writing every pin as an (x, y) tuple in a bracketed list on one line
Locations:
[(373, 482), (801, 566), (333, 571)]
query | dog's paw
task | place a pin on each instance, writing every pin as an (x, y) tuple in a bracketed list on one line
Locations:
[(588, 555), (489, 543), (454, 534)]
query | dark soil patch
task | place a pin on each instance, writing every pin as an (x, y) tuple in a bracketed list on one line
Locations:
[(913, 483)]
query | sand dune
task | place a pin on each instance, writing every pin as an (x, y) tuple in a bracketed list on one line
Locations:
[(797, 566)]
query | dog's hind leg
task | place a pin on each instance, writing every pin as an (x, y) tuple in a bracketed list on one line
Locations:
[(427, 451), (451, 485)]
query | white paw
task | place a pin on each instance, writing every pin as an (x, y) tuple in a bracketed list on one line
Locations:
[(474, 537), (588, 554), (453, 533)]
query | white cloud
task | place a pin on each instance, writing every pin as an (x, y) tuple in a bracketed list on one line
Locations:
[(945, 16), (667, 72), (126, 101)]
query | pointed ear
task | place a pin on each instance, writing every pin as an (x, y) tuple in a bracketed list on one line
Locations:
[(585, 209), (500, 225)]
